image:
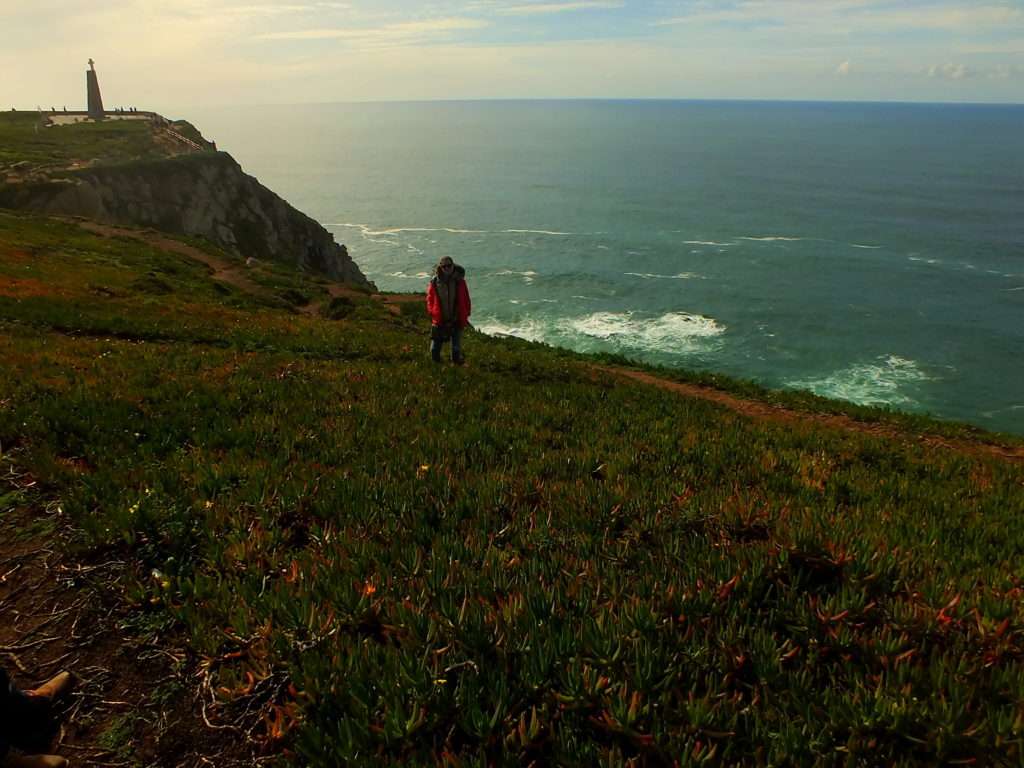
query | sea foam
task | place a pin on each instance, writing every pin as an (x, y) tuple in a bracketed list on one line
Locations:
[(527, 275), (680, 276), (674, 332), (883, 381), (530, 329)]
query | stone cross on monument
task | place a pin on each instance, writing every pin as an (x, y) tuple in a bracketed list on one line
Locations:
[(92, 86)]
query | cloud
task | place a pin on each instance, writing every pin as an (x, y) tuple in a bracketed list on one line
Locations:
[(843, 69), (950, 71), (959, 71), (546, 8), (860, 15), (409, 32)]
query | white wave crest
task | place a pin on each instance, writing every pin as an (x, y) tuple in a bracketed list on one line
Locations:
[(707, 242), (672, 333), (773, 238), (404, 276), (866, 247), (527, 276), (675, 332), (531, 330), (369, 231), (450, 230), (881, 382), (537, 232), (680, 276)]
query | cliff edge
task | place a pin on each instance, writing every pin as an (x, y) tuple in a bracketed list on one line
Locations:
[(194, 192)]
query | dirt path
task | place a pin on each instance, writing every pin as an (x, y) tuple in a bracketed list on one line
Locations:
[(223, 271), (764, 411), (226, 272), (393, 301)]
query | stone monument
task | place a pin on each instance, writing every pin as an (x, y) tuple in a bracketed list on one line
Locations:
[(92, 85)]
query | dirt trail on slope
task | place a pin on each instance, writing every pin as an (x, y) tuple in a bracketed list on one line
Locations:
[(223, 271), (780, 414), (392, 301), (226, 272)]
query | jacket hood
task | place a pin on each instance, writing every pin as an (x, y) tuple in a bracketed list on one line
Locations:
[(458, 272)]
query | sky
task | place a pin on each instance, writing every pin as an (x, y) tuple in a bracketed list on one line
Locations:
[(164, 54)]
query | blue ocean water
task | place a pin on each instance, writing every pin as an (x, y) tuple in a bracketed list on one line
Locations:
[(870, 252)]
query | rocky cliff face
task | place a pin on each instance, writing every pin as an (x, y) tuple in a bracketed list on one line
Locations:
[(204, 194)]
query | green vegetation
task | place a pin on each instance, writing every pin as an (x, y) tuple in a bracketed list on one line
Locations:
[(23, 139), (525, 559)]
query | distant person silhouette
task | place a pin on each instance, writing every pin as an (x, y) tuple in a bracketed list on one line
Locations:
[(449, 307)]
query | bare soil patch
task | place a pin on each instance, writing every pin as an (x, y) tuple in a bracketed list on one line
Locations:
[(134, 704)]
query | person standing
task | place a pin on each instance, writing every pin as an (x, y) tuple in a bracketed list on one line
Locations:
[(449, 306)]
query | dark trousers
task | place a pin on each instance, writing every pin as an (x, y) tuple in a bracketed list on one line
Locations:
[(25, 721), (436, 344)]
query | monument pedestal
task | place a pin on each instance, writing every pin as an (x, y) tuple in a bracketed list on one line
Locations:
[(92, 85)]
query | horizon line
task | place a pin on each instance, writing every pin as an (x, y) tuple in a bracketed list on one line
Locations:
[(553, 99), (521, 99)]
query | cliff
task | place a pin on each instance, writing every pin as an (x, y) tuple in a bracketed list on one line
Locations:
[(196, 192), (205, 194)]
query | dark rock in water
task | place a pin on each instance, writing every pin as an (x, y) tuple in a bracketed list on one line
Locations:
[(204, 194)]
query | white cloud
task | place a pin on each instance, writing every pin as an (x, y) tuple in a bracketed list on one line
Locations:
[(950, 71), (843, 69), (861, 15), (546, 8), (409, 32)]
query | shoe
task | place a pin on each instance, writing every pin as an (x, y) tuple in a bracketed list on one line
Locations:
[(56, 688), (459, 359), (33, 761)]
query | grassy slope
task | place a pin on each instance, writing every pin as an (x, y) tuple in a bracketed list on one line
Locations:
[(517, 560), (58, 146)]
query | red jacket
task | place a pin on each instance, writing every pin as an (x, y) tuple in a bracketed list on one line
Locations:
[(462, 302)]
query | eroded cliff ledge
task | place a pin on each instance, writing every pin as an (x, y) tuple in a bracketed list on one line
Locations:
[(201, 194)]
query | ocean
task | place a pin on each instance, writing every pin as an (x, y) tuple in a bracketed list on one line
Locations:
[(868, 252)]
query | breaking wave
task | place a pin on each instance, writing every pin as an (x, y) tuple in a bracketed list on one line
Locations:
[(369, 231), (537, 232), (531, 330), (677, 333), (680, 276), (884, 381), (527, 275)]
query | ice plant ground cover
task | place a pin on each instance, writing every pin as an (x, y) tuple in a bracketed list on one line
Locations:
[(524, 560)]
